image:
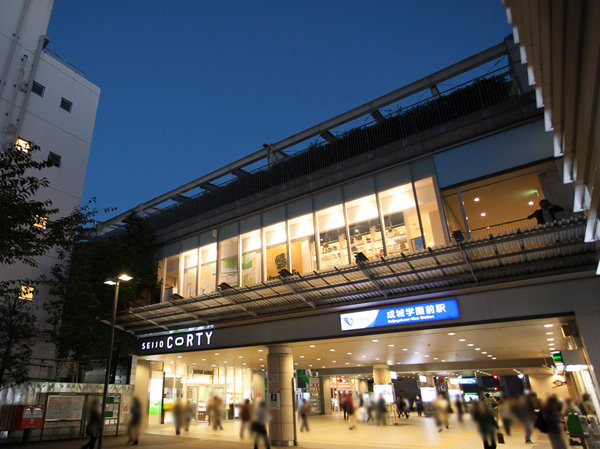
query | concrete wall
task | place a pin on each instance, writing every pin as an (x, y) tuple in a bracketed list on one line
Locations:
[(543, 386)]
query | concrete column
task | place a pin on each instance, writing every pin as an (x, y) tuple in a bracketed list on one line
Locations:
[(327, 395), (363, 386), (280, 395), (381, 375)]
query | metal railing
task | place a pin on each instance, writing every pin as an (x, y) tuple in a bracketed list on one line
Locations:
[(508, 226), (65, 62), (454, 108)]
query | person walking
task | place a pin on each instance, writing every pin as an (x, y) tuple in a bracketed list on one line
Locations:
[(179, 415), (419, 405), (303, 413), (524, 414), (351, 412), (381, 410), (440, 410), (505, 414), (259, 426), (133, 428), (546, 212), (245, 415), (486, 424), (94, 422), (551, 412), (460, 408)]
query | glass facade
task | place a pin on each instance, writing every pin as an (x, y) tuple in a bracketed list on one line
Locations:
[(378, 216)]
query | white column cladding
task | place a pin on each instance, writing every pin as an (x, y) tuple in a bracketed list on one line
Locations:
[(326, 393), (381, 375), (280, 395)]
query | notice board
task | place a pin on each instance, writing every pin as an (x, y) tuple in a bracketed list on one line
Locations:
[(64, 408)]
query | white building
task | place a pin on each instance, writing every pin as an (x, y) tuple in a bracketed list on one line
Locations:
[(47, 101)]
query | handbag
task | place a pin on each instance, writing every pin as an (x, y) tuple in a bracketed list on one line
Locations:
[(500, 437)]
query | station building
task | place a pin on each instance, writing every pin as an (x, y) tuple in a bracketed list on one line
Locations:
[(402, 255)]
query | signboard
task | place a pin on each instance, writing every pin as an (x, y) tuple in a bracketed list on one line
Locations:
[(467, 381), (275, 399), (64, 408), (387, 391), (428, 394), (405, 314), (188, 341)]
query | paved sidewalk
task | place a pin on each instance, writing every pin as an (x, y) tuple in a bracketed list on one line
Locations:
[(325, 432)]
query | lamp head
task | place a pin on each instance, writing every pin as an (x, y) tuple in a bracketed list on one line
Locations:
[(110, 281), (125, 277)]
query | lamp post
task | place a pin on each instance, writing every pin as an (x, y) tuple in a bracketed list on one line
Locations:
[(115, 282)]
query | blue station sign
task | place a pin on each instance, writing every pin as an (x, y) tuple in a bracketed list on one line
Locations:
[(393, 316)]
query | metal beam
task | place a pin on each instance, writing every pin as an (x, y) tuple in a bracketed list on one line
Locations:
[(151, 321), (239, 172), (328, 136), (208, 186), (180, 198), (297, 293), (233, 302), (456, 69), (377, 116)]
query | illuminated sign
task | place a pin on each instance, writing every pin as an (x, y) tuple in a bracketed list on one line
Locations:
[(176, 342), (467, 381), (393, 316)]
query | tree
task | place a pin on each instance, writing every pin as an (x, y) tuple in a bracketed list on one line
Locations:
[(80, 296), (29, 228)]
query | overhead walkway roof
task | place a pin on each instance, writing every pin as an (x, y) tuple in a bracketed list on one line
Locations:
[(521, 254)]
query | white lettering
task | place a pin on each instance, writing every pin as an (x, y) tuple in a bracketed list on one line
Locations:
[(199, 335), (208, 337), (190, 339), (160, 344), (169, 342), (179, 341), (143, 346)]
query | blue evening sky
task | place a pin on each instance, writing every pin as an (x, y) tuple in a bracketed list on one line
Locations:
[(190, 86)]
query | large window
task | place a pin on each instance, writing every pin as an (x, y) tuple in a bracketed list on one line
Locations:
[(433, 232), (190, 273), (276, 249), (364, 227), (171, 277), (503, 203), (332, 237), (228, 254), (208, 269), (302, 244), (251, 258), (402, 231)]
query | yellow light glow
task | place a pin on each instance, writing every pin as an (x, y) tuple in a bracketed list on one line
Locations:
[(23, 145), (336, 220), (401, 201), (26, 293), (367, 211), (254, 243)]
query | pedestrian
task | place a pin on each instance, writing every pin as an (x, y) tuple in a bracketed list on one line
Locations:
[(524, 414), (245, 415), (419, 405), (551, 414), (259, 426), (133, 428), (586, 406), (351, 412), (215, 413), (406, 407), (546, 212), (505, 414), (303, 413), (178, 415), (190, 411), (94, 421), (381, 410), (486, 424), (343, 405), (460, 408), (440, 410)]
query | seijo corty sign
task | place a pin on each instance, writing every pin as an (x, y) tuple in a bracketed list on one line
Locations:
[(176, 343)]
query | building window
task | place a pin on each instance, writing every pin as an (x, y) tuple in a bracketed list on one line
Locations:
[(208, 269), (190, 273), (402, 230), (54, 159), (365, 227), (433, 231), (172, 277), (251, 258), (302, 244), (40, 222), (26, 293), (228, 254), (66, 104), (276, 249), (22, 145), (37, 88), (332, 237)]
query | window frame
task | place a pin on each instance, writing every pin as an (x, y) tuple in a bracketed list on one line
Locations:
[(64, 101), (43, 89)]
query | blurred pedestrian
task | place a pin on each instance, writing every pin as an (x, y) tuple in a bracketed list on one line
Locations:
[(245, 416), (460, 407), (303, 413), (94, 421), (179, 415), (215, 413), (505, 414), (133, 428), (586, 406), (486, 424), (551, 413), (259, 426), (419, 405), (440, 410), (523, 412), (190, 411), (343, 405), (381, 410), (351, 412)]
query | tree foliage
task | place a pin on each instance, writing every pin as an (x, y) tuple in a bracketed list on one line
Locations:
[(82, 298), (29, 228)]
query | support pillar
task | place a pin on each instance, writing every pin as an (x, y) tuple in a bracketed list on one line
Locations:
[(381, 375), (280, 392), (326, 395)]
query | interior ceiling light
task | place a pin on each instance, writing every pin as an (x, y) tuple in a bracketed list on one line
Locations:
[(332, 350), (311, 346), (349, 353), (477, 349), (483, 214), (476, 199), (470, 344), (405, 349), (375, 341), (548, 325), (391, 346), (451, 333), (530, 203), (549, 333), (462, 339)]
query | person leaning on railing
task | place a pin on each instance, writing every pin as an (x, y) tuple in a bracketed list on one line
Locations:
[(546, 212)]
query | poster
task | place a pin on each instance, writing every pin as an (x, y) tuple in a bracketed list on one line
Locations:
[(275, 399), (64, 408)]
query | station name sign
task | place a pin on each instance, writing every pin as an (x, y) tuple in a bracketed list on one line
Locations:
[(393, 316), (187, 341)]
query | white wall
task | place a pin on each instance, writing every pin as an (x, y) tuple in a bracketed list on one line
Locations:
[(43, 122)]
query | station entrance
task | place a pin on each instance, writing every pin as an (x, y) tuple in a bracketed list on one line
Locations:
[(469, 361)]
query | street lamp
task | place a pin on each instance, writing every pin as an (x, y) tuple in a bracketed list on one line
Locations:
[(115, 282)]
